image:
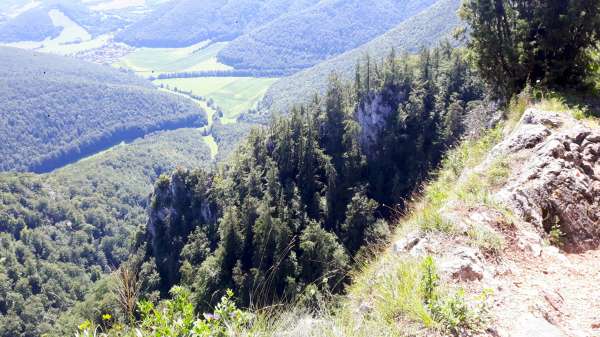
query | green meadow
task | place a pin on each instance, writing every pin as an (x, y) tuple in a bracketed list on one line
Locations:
[(233, 95), (153, 61)]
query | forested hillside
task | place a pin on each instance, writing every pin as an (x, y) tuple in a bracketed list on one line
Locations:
[(33, 25), (61, 232), (305, 38), (57, 110), (299, 200), (424, 29), (183, 23), (36, 24)]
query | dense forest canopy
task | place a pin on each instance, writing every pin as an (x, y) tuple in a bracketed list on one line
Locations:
[(61, 232), (297, 202), (35, 24), (38, 23), (424, 29), (57, 109), (186, 22), (305, 38)]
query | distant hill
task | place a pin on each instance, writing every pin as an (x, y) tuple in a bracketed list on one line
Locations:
[(56, 110), (35, 24), (186, 22), (424, 29), (305, 38)]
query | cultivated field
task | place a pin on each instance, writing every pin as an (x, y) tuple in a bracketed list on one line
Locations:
[(233, 95), (154, 61)]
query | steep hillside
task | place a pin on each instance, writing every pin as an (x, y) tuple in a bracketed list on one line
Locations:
[(305, 38), (504, 242), (186, 22), (57, 110), (424, 29), (63, 231), (307, 193)]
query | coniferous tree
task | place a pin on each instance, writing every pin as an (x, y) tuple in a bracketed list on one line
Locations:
[(526, 41)]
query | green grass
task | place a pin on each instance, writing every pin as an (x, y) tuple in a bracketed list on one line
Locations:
[(233, 95), (155, 61)]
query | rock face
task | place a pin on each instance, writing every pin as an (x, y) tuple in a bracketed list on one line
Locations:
[(167, 228), (373, 117), (464, 264), (559, 184)]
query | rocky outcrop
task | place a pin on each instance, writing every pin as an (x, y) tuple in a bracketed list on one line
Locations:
[(373, 117), (184, 195), (558, 186), (552, 189)]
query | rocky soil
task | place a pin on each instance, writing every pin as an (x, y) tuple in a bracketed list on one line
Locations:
[(546, 281)]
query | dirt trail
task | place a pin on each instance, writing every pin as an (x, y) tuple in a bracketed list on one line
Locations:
[(560, 289)]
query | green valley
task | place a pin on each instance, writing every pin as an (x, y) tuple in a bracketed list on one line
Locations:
[(58, 110), (233, 95), (155, 61), (70, 227), (299, 168)]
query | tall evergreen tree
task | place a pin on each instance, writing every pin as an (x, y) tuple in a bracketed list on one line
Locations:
[(516, 42)]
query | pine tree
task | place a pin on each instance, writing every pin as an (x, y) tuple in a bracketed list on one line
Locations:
[(525, 42)]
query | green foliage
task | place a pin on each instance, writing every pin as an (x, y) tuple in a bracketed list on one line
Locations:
[(457, 317), (184, 23), (410, 291), (57, 110), (175, 318), (514, 43), (305, 38), (425, 29), (452, 312), (556, 235), (429, 281), (33, 25), (62, 232), (301, 197)]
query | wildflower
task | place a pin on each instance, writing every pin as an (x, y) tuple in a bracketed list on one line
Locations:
[(106, 317), (85, 325)]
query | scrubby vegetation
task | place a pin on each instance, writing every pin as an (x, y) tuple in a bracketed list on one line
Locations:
[(57, 110), (305, 38), (424, 29)]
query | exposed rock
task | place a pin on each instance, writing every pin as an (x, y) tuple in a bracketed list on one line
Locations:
[(549, 119), (407, 243), (372, 117), (530, 242), (530, 326), (558, 186), (416, 244), (464, 264), (424, 247)]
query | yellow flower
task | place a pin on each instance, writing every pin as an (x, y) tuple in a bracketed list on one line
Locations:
[(106, 317), (85, 325)]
